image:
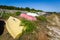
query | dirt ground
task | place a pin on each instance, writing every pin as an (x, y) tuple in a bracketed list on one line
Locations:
[(6, 35), (38, 34)]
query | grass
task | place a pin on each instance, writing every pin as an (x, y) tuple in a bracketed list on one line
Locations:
[(42, 18), (30, 26), (18, 13), (5, 16)]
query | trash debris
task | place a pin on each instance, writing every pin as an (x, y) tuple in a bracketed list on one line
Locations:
[(28, 17), (2, 24), (13, 27), (32, 14)]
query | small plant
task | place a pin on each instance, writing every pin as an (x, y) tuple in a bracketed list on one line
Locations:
[(42, 18), (5, 15), (30, 26), (18, 13)]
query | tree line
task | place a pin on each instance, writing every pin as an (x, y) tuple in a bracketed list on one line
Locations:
[(19, 8)]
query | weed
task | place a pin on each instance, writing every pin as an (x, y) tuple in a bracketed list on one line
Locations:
[(30, 26)]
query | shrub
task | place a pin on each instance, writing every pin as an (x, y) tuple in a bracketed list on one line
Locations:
[(42, 18), (18, 13), (30, 26), (5, 15)]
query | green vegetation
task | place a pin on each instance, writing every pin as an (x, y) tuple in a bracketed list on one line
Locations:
[(27, 9), (30, 26), (7, 15), (19, 8), (42, 18), (18, 13)]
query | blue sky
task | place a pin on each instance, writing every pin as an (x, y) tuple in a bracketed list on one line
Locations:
[(45, 5)]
